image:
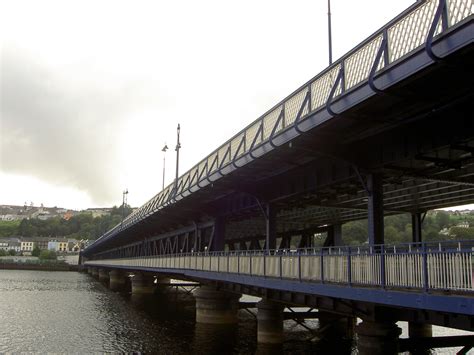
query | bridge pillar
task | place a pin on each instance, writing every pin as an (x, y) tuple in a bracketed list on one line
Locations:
[(95, 272), (270, 238), (142, 284), (336, 326), (219, 234), (377, 338), (416, 224), (269, 322), (89, 270), (375, 209), (420, 330), (334, 237), (117, 280), (103, 275), (216, 307)]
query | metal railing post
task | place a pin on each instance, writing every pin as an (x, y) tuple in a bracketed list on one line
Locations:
[(349, 267), (299, 265), (382, 265), (322, 266), (425, 268)]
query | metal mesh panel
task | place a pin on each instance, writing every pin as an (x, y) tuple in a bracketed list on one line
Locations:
[(269, 121), (210, 169), (234, 144), (224, 158), (251, 132), (321, 87), (293, 105), (358, 65), (411, 31), (458, 10)]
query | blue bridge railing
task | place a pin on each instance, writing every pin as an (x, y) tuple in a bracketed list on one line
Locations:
[(446, 266)]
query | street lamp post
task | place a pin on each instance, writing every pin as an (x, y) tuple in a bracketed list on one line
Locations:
[(178, 146), (165, 148), (124, 201)]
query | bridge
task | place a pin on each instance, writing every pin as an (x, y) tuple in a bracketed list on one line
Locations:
[(386, 129)]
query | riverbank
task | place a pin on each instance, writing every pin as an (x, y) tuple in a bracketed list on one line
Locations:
[(38, 266)]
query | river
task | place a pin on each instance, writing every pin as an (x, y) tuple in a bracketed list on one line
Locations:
[(69, 312)]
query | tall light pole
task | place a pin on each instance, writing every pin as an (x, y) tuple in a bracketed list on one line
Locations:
[(124, 201), (178, 146), (329, 32), (165, 148)]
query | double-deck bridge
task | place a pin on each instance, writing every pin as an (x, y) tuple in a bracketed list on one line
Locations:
[(386, 129)]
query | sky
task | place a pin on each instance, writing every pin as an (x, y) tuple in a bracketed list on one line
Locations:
[(90, 91)]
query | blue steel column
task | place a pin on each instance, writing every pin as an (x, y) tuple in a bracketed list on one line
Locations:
[(270, 239), (418, 329), (334, 235), (375, 209), (416, 227), (218, 240)]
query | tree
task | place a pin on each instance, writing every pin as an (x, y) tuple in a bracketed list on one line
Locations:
[(48, 255), (442, 219), (3, 252), (36, 251), (12, 252)]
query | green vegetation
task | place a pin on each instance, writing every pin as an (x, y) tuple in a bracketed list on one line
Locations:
[(81, 226), (36, 251), (48, 255), (437, 225), (8, 228)]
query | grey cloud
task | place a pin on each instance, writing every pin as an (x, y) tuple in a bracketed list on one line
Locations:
[(62, 131)]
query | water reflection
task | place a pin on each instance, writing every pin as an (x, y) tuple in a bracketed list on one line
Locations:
[(67, 312)]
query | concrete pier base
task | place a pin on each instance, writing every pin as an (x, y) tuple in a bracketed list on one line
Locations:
[(419, 330), (269, 322), (377, 338), (104, 275), (335, 326), (117, 280), (216, 307), (95, 272), (143, 284), (89, 270)]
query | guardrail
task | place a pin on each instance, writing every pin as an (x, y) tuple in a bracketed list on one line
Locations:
[(412, 29), (443, 266)]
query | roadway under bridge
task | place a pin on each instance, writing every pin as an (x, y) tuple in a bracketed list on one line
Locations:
[(386, 129)]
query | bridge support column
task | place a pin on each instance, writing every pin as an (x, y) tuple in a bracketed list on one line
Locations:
[(334, 237), (143, 284), (216, 307), (103, 275), (269, 322), (89, 270), (416, 223), (117, 280), (377, 338), (270, 238), (375, 209), (95, 272), (420, 330), (336, 326)]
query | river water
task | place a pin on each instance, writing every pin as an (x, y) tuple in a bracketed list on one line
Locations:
[(68, 312)]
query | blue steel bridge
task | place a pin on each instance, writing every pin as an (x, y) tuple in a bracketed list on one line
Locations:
[(387, 129)]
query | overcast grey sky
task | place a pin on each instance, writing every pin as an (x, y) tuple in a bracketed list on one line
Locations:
[(91, 90)]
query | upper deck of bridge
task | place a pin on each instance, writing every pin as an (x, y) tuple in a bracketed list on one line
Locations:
[(390, 78)]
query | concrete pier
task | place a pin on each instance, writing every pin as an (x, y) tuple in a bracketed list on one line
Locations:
[(89, 270), (335, 326), (377, 338), (117, 280), (216, 307), (104, 275), (95, 272), (419, 330), (269, 322), (143, 284)]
